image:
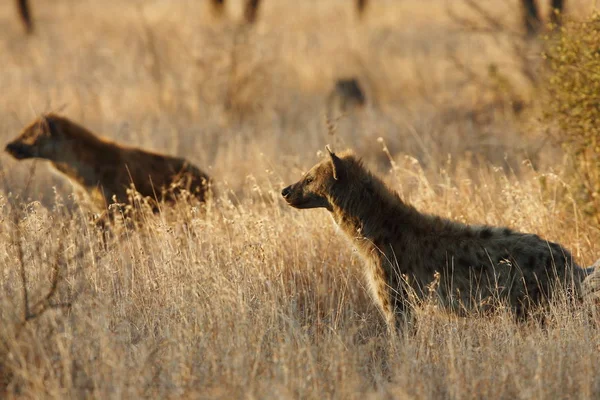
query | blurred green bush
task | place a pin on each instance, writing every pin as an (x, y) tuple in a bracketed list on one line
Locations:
[(573, 104)]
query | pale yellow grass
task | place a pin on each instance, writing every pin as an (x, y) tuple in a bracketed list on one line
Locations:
[(250, 298)]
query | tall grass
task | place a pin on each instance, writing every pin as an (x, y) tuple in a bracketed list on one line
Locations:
[(248, 298)]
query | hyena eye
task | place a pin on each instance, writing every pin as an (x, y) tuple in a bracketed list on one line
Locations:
[(309, 179)]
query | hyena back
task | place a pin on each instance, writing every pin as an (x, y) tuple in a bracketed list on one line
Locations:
[(406, 252), (104, 169)]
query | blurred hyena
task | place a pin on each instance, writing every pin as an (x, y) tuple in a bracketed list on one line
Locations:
[(251, 8), (408, 253), (217, 7), (346, 95), (25, 14), (361, 5), (105, 169)]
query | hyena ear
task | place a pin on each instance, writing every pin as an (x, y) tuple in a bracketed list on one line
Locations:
[(338, 167)]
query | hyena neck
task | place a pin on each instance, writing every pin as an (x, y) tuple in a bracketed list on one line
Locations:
[(370, 210), (79, 160), (82, 173)]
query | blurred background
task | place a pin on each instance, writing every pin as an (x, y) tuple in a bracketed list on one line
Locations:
[(259, 94), (475, 110)]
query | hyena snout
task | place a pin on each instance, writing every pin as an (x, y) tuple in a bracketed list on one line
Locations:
[(286, 192), (19, 150)]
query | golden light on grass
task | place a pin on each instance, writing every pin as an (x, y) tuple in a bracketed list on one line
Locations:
[(249, 298)]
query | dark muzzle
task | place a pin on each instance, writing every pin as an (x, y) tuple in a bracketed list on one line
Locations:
[(18, 151)]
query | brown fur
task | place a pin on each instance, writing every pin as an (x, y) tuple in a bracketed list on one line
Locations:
[(251, 10), (25, 14), (361, 5), (346, 96), (217, 7), (105, 169), (407, 252)]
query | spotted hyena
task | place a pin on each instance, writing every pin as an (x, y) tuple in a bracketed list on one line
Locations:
[(105, 169), (406, 252)]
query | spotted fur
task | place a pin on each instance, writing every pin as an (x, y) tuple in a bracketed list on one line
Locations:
[(408, 253)]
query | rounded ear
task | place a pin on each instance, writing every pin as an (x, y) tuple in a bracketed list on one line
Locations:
[(338, 167)]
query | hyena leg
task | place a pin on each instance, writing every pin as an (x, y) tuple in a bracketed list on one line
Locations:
[(383, 296), (391, 292), (403, 311)]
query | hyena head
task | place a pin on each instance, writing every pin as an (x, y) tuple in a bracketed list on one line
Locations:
[(40, 139), (316, 186)]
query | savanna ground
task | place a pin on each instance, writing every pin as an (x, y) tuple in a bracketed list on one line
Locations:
[(249, 298)]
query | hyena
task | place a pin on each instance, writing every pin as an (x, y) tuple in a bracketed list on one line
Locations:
[(347, 95), (407, 253), (25, 14), (105, 169), (251, 8), (361, 5), (217, 7)]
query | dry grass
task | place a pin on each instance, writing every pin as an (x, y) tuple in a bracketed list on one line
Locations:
[(250, 298)]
